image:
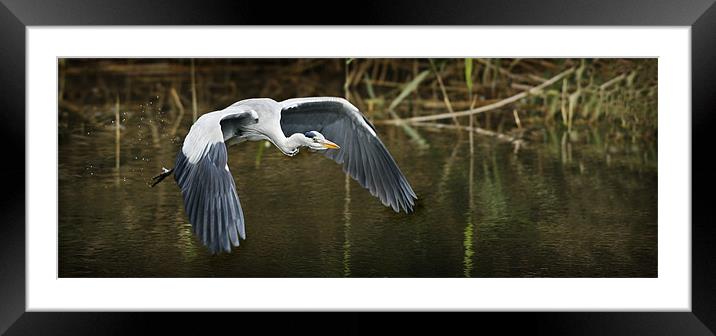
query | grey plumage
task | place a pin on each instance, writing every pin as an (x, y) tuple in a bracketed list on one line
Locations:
[(209, 191), (211, 201), (362, 154), (210, 198)]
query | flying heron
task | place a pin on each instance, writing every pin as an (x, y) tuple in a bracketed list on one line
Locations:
[(202, 173)]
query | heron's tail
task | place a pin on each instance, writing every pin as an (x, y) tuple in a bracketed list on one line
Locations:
[(162, 176)]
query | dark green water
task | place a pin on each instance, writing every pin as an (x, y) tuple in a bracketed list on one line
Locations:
[(551, 210)]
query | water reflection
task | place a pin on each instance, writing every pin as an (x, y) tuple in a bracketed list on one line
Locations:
[(555, 209), (347, 230), (470, 220)]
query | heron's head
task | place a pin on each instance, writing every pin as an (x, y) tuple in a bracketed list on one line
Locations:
[(314, 140)]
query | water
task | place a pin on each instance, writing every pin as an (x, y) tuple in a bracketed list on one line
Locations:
[(553, 209)]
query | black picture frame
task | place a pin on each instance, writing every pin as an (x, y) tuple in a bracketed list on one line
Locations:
[(16, 15)]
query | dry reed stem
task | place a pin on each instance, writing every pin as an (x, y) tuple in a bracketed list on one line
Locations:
[(485, 108), (178, 104), (612, 82), (476, 130), (472, 124), (563, 101), (517, 119), (193, 90), (507, 72), (446, 100)]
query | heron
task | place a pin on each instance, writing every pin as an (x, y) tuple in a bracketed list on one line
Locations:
[(201, 170)]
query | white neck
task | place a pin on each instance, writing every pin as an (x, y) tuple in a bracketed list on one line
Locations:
[(289, 145)]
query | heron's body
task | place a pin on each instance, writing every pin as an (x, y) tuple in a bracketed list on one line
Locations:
[(210, 198)]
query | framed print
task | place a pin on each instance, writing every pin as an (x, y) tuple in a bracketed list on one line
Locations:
[(514, 162)]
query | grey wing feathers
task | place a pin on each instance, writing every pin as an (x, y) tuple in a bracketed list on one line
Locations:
[(210, 198), (207, 186), (362, 154)]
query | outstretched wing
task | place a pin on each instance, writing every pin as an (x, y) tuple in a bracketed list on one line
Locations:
[(362, 154), (210, 198)]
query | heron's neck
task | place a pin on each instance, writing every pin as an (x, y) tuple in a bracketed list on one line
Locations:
[(290, 144)]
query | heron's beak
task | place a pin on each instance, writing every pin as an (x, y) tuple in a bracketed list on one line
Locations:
[(329, 144)]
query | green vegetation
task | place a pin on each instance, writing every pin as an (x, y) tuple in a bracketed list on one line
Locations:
[(511, 100), (579, 201)]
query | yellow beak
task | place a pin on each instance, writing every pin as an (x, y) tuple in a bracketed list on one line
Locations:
[(329, 145)]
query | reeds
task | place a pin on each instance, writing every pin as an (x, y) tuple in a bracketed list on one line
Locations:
[(508, 97), (117, 137), (193, 91)]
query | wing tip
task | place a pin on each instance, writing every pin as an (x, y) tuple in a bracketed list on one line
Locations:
[(211, 202), (407, 205)]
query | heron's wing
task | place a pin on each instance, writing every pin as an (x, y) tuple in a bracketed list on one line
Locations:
[(362, 154), (210, 198)]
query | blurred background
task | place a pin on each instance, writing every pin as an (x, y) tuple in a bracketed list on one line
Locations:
[(523, 168)]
